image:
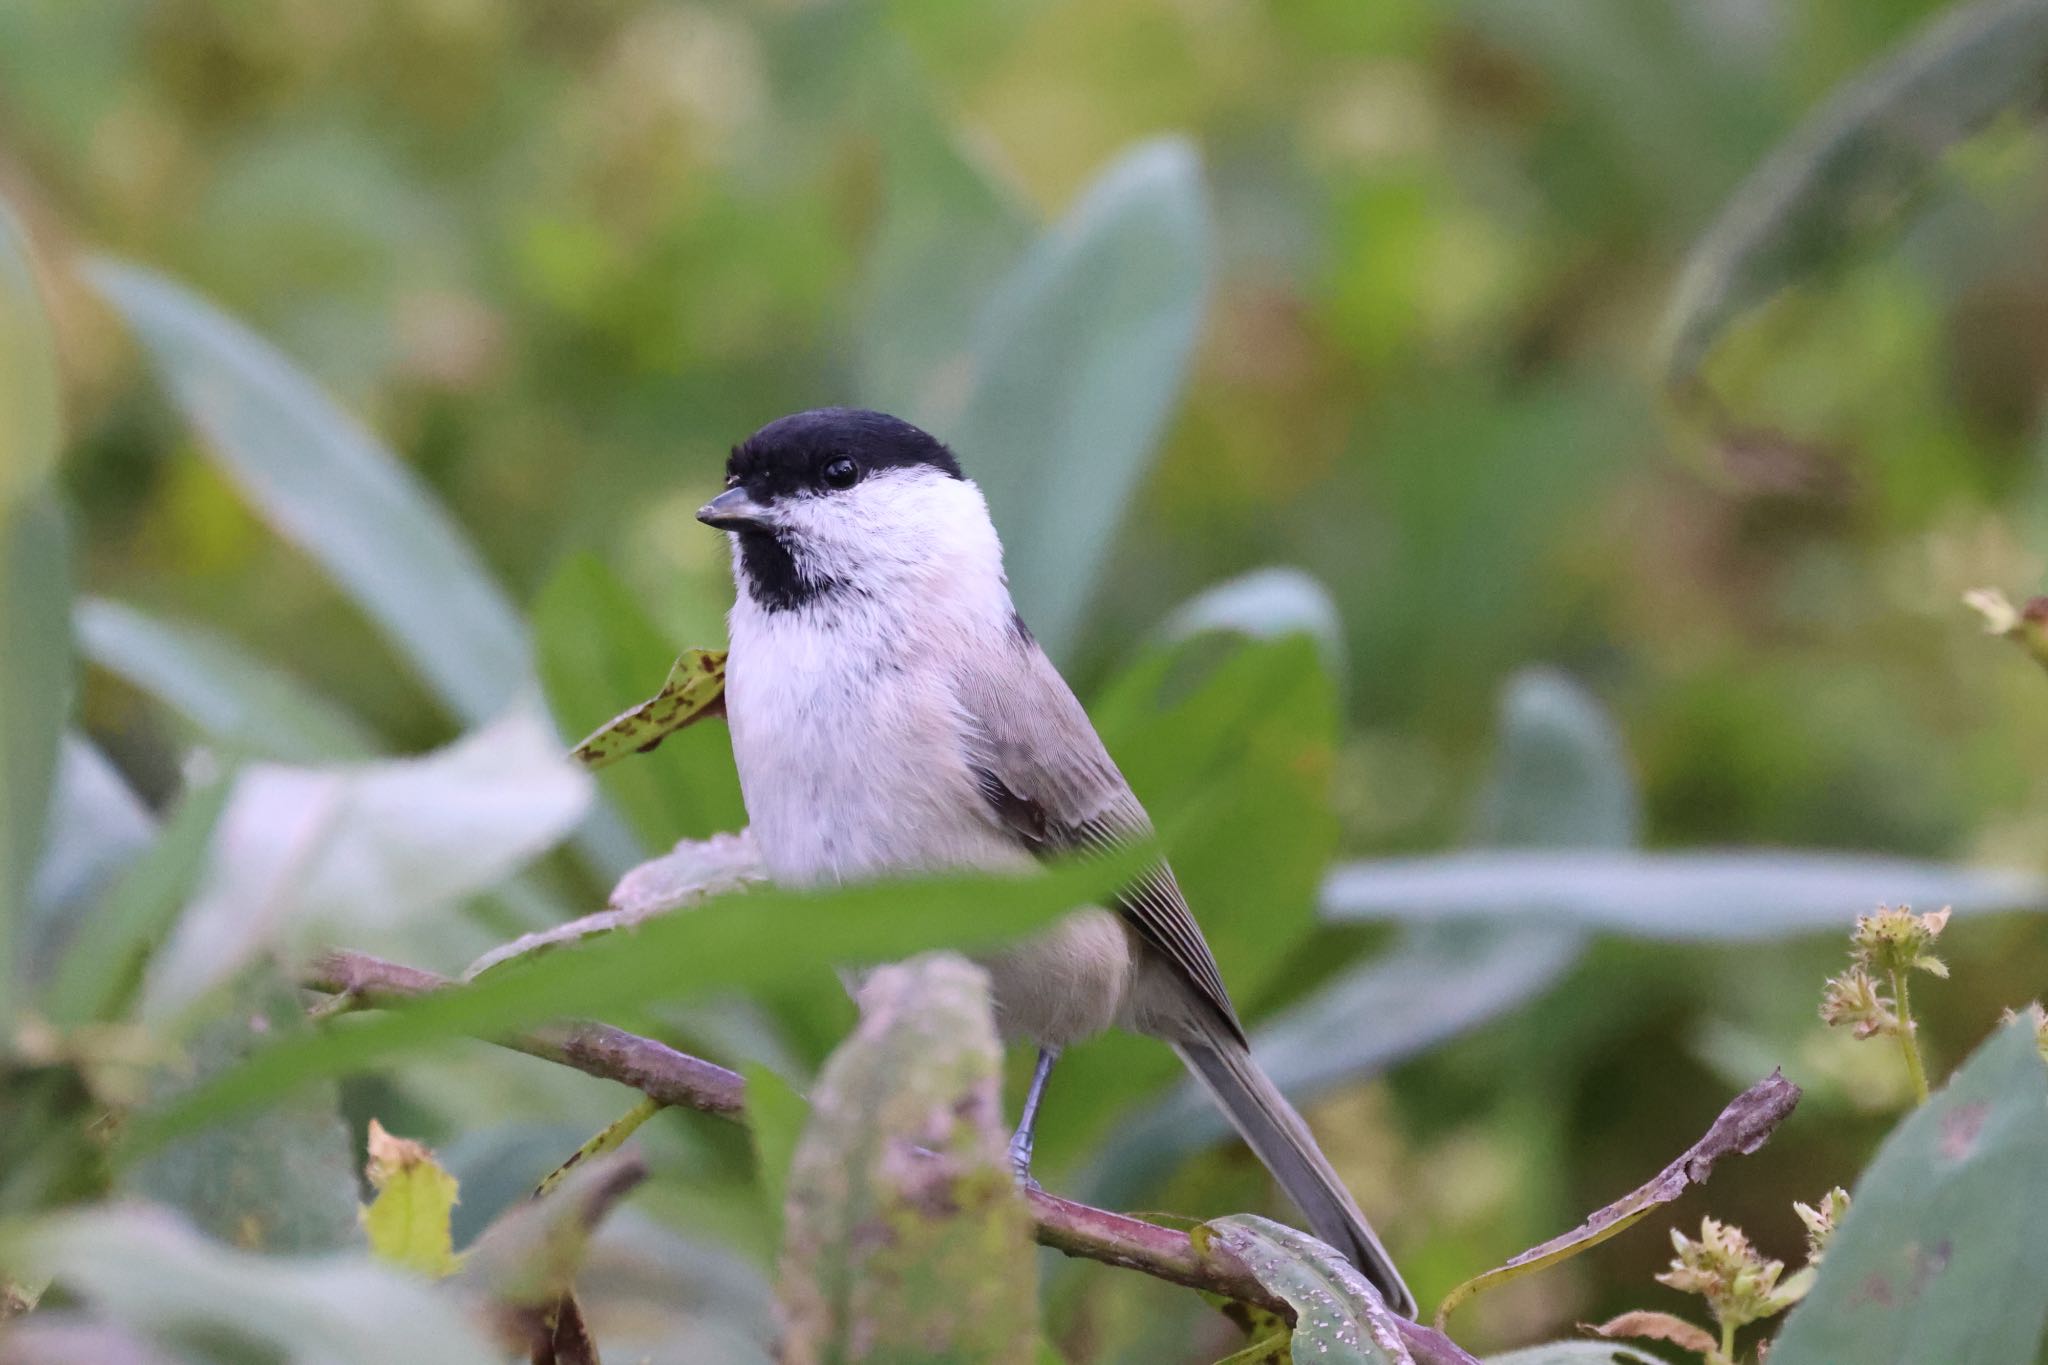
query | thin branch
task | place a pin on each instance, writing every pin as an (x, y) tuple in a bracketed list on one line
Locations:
[(673, 1077), (654, 1069)]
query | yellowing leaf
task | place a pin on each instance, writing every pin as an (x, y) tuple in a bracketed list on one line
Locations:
[(696, 684), (408, 1221)]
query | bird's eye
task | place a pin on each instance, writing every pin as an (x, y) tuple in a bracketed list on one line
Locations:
[(732, 481), (840, 473)]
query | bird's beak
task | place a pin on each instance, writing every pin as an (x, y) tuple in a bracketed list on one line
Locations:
[(733, 510)]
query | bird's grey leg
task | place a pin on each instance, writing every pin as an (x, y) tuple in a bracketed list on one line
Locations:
[(1027, 1126)]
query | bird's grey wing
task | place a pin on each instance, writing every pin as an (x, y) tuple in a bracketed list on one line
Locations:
[(1047, 779)]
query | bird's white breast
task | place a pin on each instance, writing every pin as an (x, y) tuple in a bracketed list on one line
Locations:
[(851, 745)]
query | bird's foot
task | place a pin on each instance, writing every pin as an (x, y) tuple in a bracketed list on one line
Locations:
[(1020, 1159)]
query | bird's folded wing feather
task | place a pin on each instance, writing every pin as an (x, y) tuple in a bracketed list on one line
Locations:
[(1047, 779)]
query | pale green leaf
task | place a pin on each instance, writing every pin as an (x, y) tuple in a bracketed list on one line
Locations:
[(328, 486), (906, 1238), (235, 699), (1943, 1255), (1855, 162), (1339, 1318), (408, 1222), (1076, 365)]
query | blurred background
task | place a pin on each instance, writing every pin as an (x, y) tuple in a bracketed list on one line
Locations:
[(1419, 263)]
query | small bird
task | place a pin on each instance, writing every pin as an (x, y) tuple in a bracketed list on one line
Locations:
[(891, 713)]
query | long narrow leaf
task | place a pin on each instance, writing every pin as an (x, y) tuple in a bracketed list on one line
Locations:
[(235, 699), (330, 488), (35, 664), (716, 947), (1079, 359)]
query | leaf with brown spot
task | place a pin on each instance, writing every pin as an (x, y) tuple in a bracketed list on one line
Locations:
[(1745, 1125), (1646, 1326), (1943, 1254), (905, 1238), (694, 689)]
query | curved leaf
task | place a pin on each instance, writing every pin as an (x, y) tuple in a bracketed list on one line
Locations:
[(234, 698), (1855, 161), (1338, 1316), (1732, 894), (98, 827), (318, 477), (35, 646), (906, 1239), (149, 1272), (1266, 604), (1944, 1252), (1077, 362), (1576, 1353)]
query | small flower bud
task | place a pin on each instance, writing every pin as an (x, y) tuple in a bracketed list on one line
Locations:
[(1896, 941), (1854, 1000), (1738, 1283), (1822, 1221)]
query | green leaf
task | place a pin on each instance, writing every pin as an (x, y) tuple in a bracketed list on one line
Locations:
[(35, 584), (776, 1113), (1078, 360), (1559, 775), (235, 699), (1854, 163), (600, 652), (98, 827), (31, 427), (35, 695), (365, 849), (1338, 1316), (325, 484), (906, 1237), (1944, 1253), (948, 227), (1266, 604), (1727, 895), (670, 958), (149, 1272), (102, 965), (281, 1180), (409, 1222)]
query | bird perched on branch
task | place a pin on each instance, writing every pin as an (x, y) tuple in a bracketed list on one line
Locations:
[(891, 713)]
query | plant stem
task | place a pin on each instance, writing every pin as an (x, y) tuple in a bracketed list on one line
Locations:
[(1728, 1342), (1909, 1040)]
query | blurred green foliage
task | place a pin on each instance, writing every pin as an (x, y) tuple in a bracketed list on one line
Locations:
[(1377, 291)]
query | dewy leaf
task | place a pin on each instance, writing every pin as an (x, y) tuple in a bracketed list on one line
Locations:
[(1745, 1125), (366, 847), (1733, 894), (1943, 1255), (672, 957), (408, 1222), (235, 699), (145, 1270), (695, 684), (281, 1180), (1855, 162), (1076, 365), (906, 1239), (1338, 1317), (325, 484)]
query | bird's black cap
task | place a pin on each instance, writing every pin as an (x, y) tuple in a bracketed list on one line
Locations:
[(786, 455)]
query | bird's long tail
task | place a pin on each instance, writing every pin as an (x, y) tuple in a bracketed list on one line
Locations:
[(1281, 1139)]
